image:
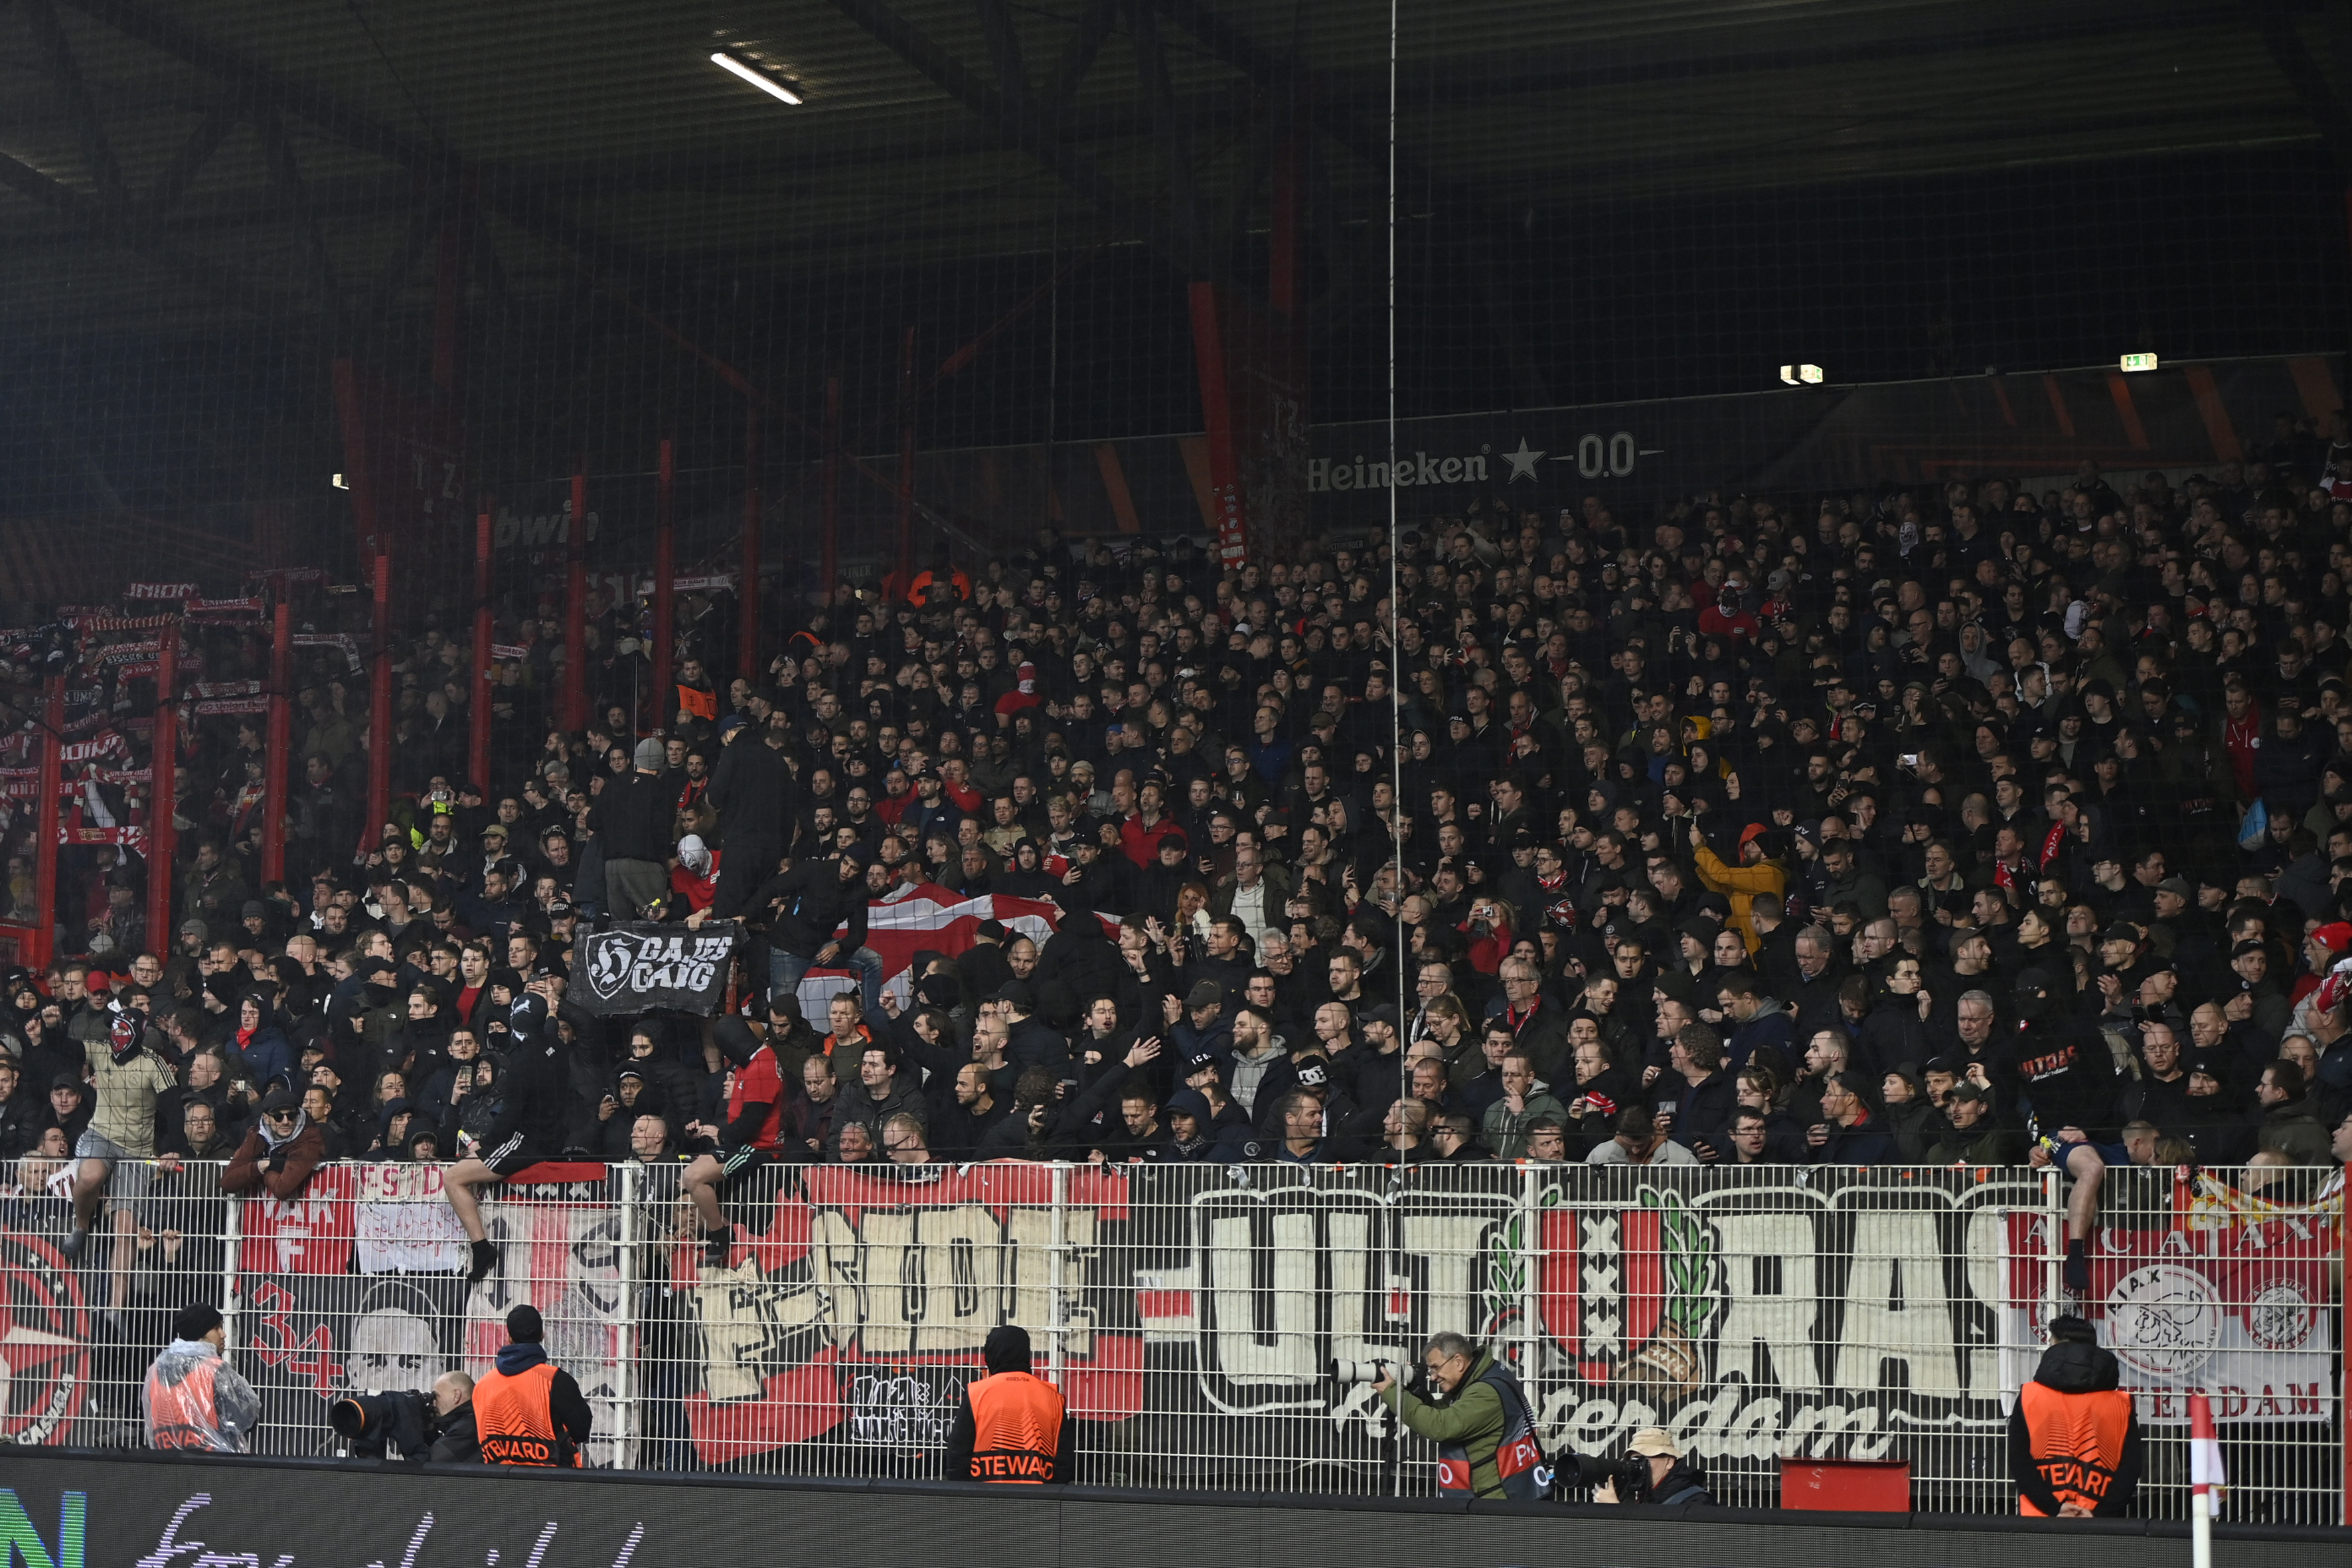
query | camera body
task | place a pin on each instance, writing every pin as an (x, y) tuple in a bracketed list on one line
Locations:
[(399, 1423), (1409, 1375)]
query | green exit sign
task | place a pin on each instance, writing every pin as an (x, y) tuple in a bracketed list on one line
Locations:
[(2139, 361)]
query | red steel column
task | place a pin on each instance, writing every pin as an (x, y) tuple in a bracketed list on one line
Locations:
[(162, 786), (46, 821), (477, 716), (906, 462), (1217, 411), (664, 586), (575, 608), (747, 596), (379, 795), (829, 562), (280, 737)]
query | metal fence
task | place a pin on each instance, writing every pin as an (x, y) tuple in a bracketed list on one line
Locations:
[(1190, 1313)]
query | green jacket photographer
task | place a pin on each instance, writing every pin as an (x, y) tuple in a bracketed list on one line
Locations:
[(1480, 1421)]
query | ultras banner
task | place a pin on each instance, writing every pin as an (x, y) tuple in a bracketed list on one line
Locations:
[(640, 966), (1772, 1310), (1191, 1313)]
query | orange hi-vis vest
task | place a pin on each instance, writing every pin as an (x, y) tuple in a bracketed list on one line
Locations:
[(183, 1414), (1016, 1428), (515, 1423), (2077, 1441)]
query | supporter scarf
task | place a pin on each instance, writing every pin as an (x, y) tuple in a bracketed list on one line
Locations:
[(276, 1140)]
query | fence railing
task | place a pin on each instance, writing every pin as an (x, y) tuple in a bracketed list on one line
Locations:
[(1190, 1312)]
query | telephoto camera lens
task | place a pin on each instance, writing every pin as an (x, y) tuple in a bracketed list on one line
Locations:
[(370, 1422)]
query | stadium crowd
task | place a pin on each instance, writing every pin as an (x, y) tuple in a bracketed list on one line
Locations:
[(1960, 825)]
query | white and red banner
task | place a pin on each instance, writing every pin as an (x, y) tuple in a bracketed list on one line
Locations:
[(2234, 1299), (925, 918)]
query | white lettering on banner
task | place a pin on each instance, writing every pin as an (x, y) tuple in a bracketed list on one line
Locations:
[(1593, 455), (935, 1280), (171, 1552), (1755, 1322), (2238, 1307), (901, 1413), (544, 529), (1421, 468), (621, 963)]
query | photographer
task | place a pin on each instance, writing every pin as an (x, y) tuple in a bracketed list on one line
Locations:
[(1652, 1471), (455, 1440), (1477, 1416), (437, 1426)]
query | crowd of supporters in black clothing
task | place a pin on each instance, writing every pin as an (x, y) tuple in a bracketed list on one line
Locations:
[(1915, 825)]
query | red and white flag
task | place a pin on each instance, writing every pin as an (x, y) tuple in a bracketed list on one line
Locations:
[(2207, 1481), (926, 917)]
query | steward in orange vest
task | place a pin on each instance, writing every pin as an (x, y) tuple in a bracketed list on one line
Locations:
[(530, 1410), (1011, 1427), (2073, 1441)]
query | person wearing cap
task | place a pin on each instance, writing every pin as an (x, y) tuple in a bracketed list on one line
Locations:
[(1011, 1427), (2075, 1445), (280, 1151), (1970, 1136), (631, 818), (193, 1400), (1198, 1021), (1656, 1472), (527, 1410)]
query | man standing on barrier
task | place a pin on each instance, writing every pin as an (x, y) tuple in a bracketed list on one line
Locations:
[(2074, 1440), (195, 1400), (128, 1078), (529, 1411), (1478, 1417), (1009, 1428)]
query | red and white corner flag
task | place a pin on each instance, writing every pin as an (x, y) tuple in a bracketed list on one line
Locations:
[(2207, 1482)]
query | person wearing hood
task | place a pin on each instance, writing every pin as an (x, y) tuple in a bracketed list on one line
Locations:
[(260, 1044), (194, 1400), (751, 787), (279, 1155), (392, 1120), (127, 1079), (1011, 1427), (2074, 1447), (514, 1124), (751, 1137), (1756, 874), (1196, 1136), (631, 1095), (528, 1410)]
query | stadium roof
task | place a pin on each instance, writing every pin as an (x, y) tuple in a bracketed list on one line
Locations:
[(172, 165)]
